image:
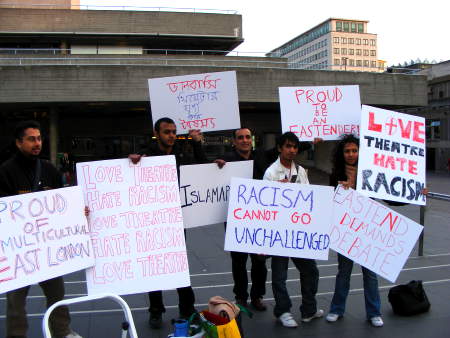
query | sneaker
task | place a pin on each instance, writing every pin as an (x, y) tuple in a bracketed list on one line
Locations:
[(258, 304), (73, 334), (318, 314), (332, 317), (376, 321), (155, 320), (287, 320)]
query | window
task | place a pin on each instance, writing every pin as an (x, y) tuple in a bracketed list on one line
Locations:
[(336, 51), (346, 27), (344, 40), (366, 41), (339, 26), (336, 62), (351, 41), (366, 63), (360, 28), (351, 62), (358, 52), (373, 64), (336, 40), (373, 53), (372, 42), (358, 41), (344, 51), (351, 52), (358, 63), (366, 52)]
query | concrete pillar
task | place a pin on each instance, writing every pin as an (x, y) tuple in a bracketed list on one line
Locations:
[(53, 134)]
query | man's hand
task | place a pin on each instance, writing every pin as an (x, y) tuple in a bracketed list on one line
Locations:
[(220, 163), (345, 184), (135, 158), (196, 135), (317, 140), (284, 180)]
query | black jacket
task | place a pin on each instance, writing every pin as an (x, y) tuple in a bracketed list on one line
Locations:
[(17, 175), (259, 161)]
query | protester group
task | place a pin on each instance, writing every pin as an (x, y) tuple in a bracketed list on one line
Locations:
[(25, 173)]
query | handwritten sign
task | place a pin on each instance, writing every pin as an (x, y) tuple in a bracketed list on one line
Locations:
[(371, 234), (44, 235), (137, 225), (392, 156), (324, 112), (200, 101), (281, 219), (205, 189)]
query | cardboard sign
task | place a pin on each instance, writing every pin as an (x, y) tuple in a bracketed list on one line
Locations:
[(371, 234), (137, 225), (323, 112), (204, 191), (281, 219), (200, 101), (44, 235), (392, 156)]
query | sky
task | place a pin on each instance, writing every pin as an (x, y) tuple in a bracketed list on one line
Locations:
[(406, 30)]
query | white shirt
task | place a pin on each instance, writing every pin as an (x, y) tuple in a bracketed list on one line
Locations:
[(277, 172)]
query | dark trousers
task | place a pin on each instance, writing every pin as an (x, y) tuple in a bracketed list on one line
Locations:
[(16, 316), (258, 274), (186, 300), (309, 281)]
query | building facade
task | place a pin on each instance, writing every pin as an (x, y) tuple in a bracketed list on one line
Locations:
[(335, 44)]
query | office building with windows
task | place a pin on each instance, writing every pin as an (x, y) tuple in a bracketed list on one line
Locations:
[(335, 44)]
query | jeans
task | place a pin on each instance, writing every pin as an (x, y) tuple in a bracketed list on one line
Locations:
[(186, 300), (342, 287), (309, 281), (16, 316), (258, 274)]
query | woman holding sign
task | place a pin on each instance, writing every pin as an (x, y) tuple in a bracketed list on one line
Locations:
[(345, 168)]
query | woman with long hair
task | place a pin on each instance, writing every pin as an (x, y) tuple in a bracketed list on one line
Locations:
[(345, 168)]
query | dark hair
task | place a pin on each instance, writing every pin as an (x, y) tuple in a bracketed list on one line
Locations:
[(19, 131), (287, 136), (337, 160), (162, 120), (236, 130)]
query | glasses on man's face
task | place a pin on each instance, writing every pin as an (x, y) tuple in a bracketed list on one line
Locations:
[(33, 139)]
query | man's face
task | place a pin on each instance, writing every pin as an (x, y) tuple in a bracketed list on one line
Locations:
[(31, 142), (288, 151), (351, 153), (167, 134), (243, 140)]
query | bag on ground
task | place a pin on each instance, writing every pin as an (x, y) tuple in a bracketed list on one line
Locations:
[(409, 299)]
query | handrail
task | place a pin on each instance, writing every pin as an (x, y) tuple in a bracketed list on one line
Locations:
[(431, 195)]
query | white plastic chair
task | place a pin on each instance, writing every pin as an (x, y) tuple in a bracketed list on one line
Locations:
[(131, 329)]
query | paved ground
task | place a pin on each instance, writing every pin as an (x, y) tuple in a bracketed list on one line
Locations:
[(210, 275)]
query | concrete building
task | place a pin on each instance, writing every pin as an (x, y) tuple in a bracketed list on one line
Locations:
[(335, 44), (84, 74)]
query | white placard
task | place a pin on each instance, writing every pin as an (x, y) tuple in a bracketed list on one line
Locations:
[(323, 112), (44, 235), (392, 153), (206, 101), (281, 219), (204, 191), (371, 234), (137, 225)]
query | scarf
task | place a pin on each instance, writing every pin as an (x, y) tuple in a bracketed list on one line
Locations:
[(350, 172)]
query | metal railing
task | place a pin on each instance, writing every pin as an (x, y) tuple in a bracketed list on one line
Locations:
[(423, 208)]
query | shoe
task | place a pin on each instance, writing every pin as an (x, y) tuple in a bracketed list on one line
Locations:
[(73, 334), (318, 314), (287, 320), (258, 304), (332, 317), (376, 321), (155, 320), (242, 302)]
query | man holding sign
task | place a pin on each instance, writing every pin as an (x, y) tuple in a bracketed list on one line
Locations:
[(286, 170), (26, 173)]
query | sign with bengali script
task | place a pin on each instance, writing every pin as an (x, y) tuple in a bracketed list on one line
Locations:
[(281, 219), (44, 235), (371, 234), (206, 101), (205, 189), (320, 112), (136, 225), (392, 156)]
